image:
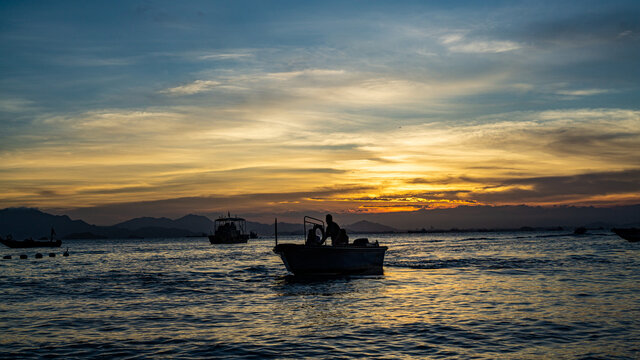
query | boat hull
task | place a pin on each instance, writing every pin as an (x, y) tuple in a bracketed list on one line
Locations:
[(630, 234), (214, 239), (331, 260), (22, 244)]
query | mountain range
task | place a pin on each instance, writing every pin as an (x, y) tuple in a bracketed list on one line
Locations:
[(29, 222)]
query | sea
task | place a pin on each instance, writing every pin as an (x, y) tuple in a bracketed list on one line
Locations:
[(488, 295)]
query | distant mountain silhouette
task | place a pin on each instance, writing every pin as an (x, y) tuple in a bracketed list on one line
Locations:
[(265, 230), (27, 222), (365, 226), (142, 222), (510, 217), (195, 223), (191, 223), (162, 232), (202, 224), (297, 229)]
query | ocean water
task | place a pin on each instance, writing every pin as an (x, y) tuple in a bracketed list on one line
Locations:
[(471, 296)]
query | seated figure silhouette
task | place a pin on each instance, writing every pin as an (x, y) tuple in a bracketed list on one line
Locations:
[(338, 236), (312, 238)]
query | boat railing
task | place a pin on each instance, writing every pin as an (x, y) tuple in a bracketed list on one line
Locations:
[(312, 222), (242, 227), (308, 220)]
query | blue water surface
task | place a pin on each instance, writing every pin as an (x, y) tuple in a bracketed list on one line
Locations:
[(518, 295)]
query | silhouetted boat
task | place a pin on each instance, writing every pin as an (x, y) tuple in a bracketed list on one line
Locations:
[(358, 258), (630, 234), (229, 230), (30, 243)]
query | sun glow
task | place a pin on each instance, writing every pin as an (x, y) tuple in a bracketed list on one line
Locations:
[(452, 166)]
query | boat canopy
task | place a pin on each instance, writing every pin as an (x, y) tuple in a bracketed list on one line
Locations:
[(233, 222)]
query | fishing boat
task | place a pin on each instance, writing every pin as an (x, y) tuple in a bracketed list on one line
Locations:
[(30, 243), (630, 234), (313, 259), (229, 230)]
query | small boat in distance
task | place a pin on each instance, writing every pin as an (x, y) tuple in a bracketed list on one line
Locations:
[(30, 243), (629, 234), (358, 258), (229, 230)]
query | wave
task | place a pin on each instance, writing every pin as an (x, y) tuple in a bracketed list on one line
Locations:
[(481, 263)]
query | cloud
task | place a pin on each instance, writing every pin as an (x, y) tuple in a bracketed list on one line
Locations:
[(578, 138), (451, 38), (484, 47), (315, 74), (94, 61), (110, 127), (195, 87), (591, 183), (584, 92), (338, 89), (15, 105), (257, 206), (462, 44), (441, 180), (225, 56), (99, 156), (295, 78), (572, 189), (585, 29), (601, 188)]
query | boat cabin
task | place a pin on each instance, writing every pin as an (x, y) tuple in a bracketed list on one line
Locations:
[(229, 230)]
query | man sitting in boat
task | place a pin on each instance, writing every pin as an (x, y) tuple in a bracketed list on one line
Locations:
[(312, 238), (338, 236)]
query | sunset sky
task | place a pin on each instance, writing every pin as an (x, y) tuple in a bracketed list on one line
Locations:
[(116, 109)]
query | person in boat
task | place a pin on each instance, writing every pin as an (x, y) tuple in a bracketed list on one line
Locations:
[(312, 238), (338, 236)]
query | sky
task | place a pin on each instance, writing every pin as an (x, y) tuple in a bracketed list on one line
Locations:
[(115, 109)]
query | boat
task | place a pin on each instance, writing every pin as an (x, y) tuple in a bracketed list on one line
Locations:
[(311, 259), (229, 230), (30, 243), (630, 234)]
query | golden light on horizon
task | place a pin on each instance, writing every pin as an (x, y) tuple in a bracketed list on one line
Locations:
[(175, 168)]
